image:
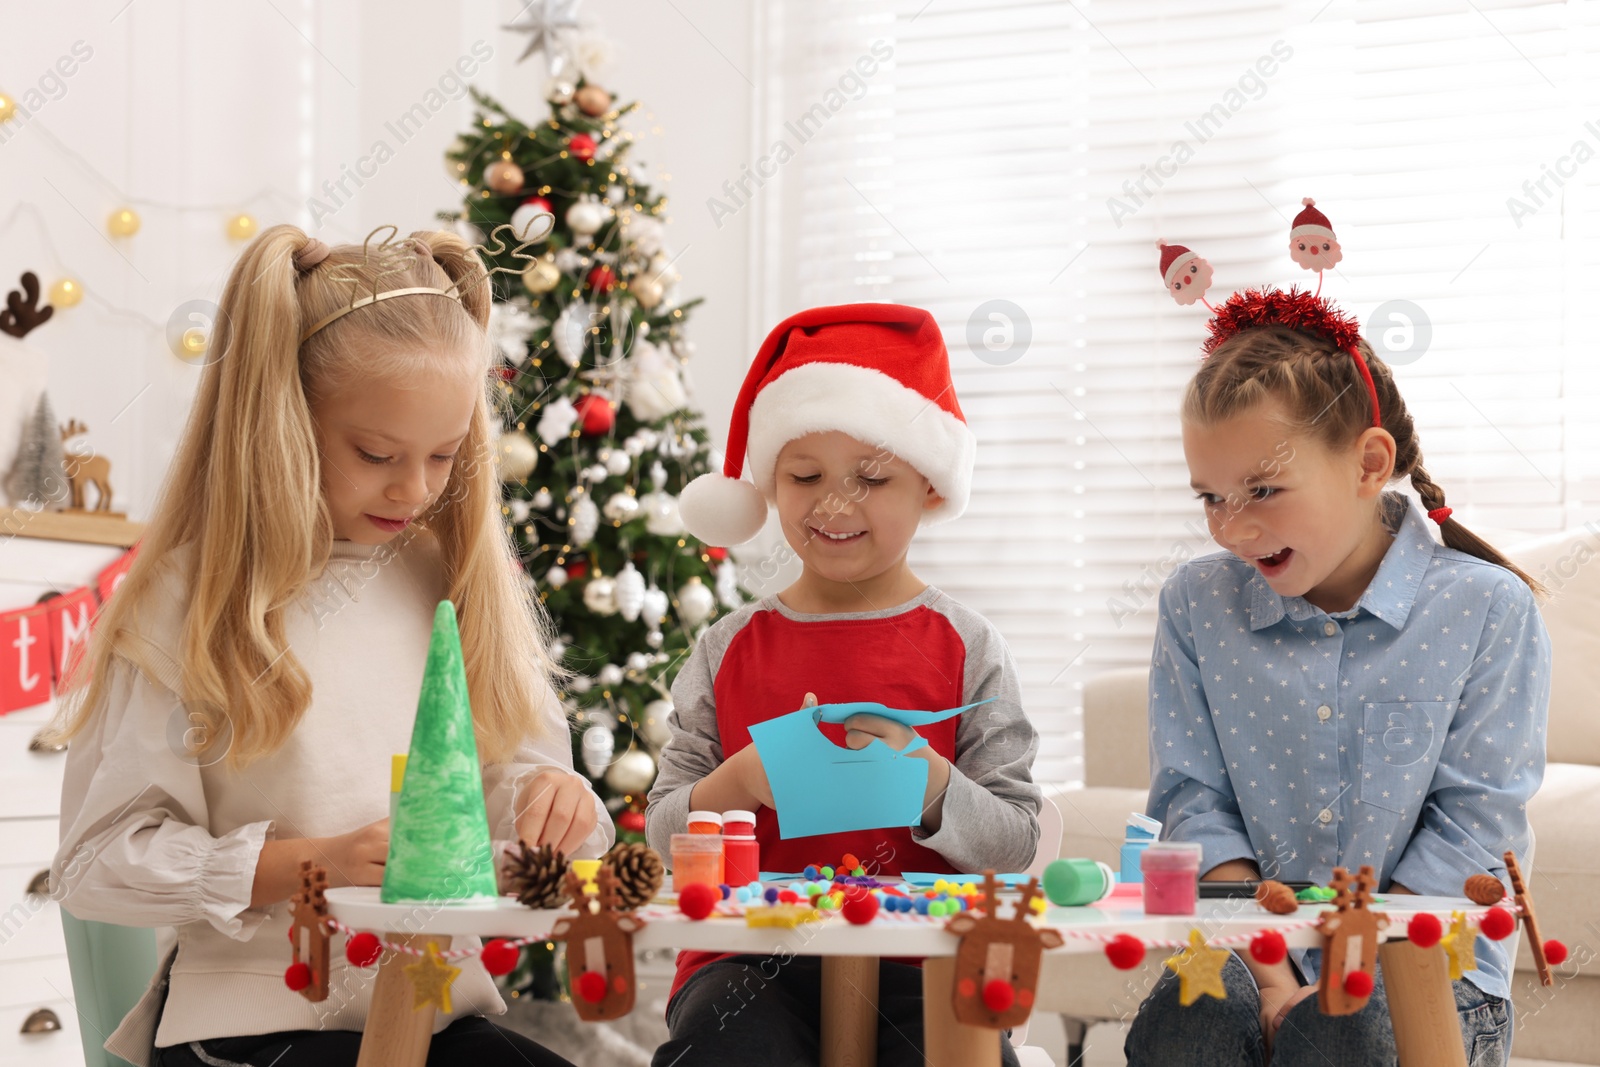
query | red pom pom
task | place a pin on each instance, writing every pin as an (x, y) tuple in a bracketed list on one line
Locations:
[(1358, 984), (1555, 953), (998, 995), (500, 956), (1296, 309), (363, 949), (601, 279), (697, 900), (1125, 952), (597, 416), (297, 977), (1424, 930), (581, 146), (1268, 947), (591, 986), (1497, 924), (860, 908)]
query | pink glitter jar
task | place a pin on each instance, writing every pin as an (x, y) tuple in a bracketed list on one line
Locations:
[(1171, 872)]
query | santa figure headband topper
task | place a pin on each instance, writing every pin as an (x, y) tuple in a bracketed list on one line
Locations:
[(1312, 245)]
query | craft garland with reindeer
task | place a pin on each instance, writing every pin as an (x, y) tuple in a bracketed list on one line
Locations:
[(997, 963), (599, 948)]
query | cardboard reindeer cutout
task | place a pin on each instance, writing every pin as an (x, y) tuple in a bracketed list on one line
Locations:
[(1350, 942), (599, 949), (309, 929), (997, 964)]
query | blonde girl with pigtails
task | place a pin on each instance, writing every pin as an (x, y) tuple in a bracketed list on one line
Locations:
[(237, 706)]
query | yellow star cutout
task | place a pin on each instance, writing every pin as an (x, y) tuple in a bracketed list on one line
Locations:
[(430, 979), (1458, 946), (1199, 970)]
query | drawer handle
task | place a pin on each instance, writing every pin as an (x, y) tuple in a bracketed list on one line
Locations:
[(39, 885), (42, 1021), (39, 744)]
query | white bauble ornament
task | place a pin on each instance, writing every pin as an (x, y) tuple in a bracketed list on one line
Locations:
[(633, 446), (542, 499), (586, 521), (647, 290), (516, 456), (622, 507), (658, 474), (570, 261), (640, 661), (580, 683), (571, 331), (654, 387), (661, 515), (654, 725), (599, 744), (654, 639), (520, 509), (585, 217), (618, 462), (632, 773), (555, 578), (728, 585), (600, 596), (630, 591), (610, 676), (696, 603), (593, 473), (556, 421), (531, 223), (654, 606), (559, 91)]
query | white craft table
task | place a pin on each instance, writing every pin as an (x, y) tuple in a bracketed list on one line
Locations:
[(1421, 1000)]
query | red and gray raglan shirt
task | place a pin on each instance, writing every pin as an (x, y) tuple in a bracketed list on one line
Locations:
[(927, 654)]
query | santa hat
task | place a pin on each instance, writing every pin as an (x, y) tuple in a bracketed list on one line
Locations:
[(878, 372), (1173, 257), (1311, 222)]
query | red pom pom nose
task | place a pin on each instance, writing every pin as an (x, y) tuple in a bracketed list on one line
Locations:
[(297, 977), (998, 996), (1358, 984), (1424, 930), (591, 986)]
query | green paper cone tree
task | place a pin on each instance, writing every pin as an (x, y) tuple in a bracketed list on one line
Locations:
[(439, 840)]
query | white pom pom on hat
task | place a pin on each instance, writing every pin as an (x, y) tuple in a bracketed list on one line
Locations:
[(878, 372)]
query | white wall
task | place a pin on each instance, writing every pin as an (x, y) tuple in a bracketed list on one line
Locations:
[(191, 112)]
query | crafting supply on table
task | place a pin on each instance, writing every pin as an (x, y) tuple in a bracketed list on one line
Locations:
[(705, 822), (1073, 883), (1171, 872), (1140, 832), (397, 777), (738, 823), (696, 859)]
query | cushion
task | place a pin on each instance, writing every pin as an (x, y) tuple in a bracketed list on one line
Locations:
[(1568, 564), (1092, 821), (1565, 880)]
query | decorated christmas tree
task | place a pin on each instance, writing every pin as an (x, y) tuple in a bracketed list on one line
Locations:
[(600, 436)]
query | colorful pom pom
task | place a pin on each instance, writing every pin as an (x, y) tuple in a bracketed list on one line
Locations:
[(1424, 930), (363, 949), (696, 901), (591, 985), (1555, 952), (1497, 924), (860, 908), (1268, 947), (500, 956), (998, 996), (1125, 952), (297, 977), (1358, 984)]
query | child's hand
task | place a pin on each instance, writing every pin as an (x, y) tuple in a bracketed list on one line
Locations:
[(357, 858), (738, 783), (556, 809), (861, 730)]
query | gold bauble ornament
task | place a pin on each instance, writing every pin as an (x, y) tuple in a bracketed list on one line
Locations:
[(124, 222), (8, 108), (503, 176), (647, 290), (592, 100), (66, 293), (242, 227), (542, 275), (516, 456)]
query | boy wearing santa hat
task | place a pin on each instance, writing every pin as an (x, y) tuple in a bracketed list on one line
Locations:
[(849, 425)]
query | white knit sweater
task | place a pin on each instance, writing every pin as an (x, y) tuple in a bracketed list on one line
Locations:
[(150, 837)]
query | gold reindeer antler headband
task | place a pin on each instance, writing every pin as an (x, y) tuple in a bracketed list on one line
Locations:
[(393, 255)]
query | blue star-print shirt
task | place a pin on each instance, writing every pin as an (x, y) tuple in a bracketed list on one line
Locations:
[(1407, 733)]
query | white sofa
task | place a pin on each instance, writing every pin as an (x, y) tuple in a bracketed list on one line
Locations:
[(1561, 1022)]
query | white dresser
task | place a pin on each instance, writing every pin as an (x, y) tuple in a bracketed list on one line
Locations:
[(33, 959)]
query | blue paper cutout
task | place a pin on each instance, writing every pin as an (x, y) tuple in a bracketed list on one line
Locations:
[(820, 788), (925, 880)]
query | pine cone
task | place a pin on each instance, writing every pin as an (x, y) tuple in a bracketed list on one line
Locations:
[(1276, 898), (1484, 889), (536, 876), (638, 871)]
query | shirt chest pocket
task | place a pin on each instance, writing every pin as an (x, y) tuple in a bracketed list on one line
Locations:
[(1400, 744)]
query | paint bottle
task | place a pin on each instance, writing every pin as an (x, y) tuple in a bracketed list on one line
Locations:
[(741, 852), (1171, 877), (1074, 883), (1140, 831), (696, 858)]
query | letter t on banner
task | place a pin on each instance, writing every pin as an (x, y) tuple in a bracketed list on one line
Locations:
[(24, 658)]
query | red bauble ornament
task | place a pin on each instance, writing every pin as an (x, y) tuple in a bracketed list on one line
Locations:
[(718, 554), (577, 569), (597, 415), (363, 949), (1424, 930), (539, 202), (860, 908), (1268, 947), (1358, 984), (500, 956), (297, 977), (697, 900), (582, 146), (508, 374), (1497, 924), (601, 279), (631, 821), (1125, 952), (1555, 952), (998, 995), (591, 986)]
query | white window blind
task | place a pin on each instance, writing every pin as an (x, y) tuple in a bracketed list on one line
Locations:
[(1036, 152)]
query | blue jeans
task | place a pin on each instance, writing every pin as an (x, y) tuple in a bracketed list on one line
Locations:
[(1214, 1033), (758, 1010)]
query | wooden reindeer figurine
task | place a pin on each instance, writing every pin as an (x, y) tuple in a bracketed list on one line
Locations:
[(22, 311), (84, 471), (997, 965), (1530, 921), (1350, 944), (309, 928), (599, 949)]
